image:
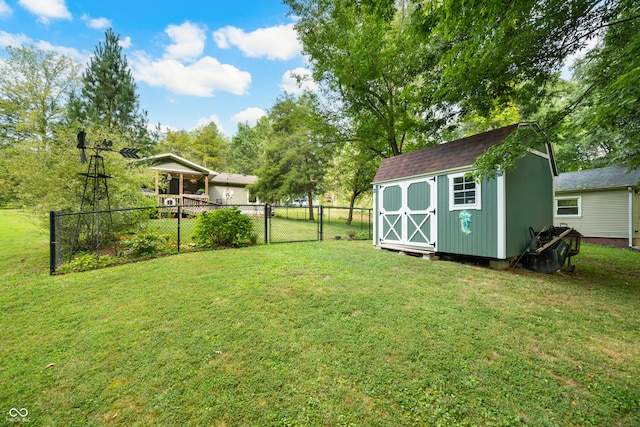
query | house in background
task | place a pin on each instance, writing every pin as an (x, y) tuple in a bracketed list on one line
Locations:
[(182, 182), (602, 204), (231, 189), (425, 200)]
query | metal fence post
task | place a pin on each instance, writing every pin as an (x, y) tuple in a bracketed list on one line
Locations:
[(321, 223), (267, 213), (179, 216), (52, 242)]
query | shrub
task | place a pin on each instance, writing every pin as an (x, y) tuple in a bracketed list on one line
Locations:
[(145, 244), (85, 262), (223, 228)]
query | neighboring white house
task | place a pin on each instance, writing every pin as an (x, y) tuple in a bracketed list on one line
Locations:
[(182, 182), (602, 204)]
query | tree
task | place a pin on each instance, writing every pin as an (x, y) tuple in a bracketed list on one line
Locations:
[(247, 146), (34, 89), (45, 180), (204, 145), (296, 158), (611, 75), (374, 72), (108, 95), (352, 172), (210, 147), (176, 142), (499, 53)]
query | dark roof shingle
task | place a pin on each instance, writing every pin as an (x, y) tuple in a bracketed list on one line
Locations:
[(597, 179), (458, 153)]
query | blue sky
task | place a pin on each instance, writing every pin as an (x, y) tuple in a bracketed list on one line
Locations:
[(193, 61)]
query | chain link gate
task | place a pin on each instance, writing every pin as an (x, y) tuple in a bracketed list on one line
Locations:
[(294, 224)]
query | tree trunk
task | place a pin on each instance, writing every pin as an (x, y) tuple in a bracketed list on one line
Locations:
[(352, 202), (310, 201)]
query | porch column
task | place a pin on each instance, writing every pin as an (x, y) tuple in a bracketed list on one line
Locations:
[(206, 185), (180, 189)]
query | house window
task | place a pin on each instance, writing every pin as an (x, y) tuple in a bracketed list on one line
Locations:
[(568, 206), (464, 192)]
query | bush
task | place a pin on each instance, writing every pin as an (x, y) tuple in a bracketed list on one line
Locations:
[(85, 262), (145, 244), (224, 228)]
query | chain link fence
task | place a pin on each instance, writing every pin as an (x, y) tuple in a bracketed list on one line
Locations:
[(343, 222), (84, 240)]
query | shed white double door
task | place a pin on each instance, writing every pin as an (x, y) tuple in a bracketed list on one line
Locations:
[(408, 213)]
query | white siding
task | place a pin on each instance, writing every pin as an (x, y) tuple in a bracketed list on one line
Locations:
[(604, 214)]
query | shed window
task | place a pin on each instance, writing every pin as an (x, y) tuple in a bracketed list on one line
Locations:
[(568, 206), (464, 192)]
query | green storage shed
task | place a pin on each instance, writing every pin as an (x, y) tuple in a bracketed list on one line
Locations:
[(425, 202)]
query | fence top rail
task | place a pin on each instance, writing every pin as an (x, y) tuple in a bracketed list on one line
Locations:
[(348, 208), (58, 214), (162, 207)]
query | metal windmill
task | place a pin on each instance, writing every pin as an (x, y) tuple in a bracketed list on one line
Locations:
[(95, 194)]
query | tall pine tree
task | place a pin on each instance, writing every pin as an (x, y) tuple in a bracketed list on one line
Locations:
[(109, 97)]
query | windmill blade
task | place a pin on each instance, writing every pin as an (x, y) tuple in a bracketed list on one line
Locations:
[(129, 153), (83, 156)]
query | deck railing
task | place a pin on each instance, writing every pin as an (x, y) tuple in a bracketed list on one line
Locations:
[(181, 199)]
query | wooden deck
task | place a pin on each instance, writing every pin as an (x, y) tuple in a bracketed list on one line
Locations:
[(191, 204)]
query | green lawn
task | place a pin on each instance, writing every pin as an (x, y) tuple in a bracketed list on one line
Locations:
[(316, 334)]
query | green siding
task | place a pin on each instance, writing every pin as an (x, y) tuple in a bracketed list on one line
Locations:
[(482, 241), (391, 221), (418, 224), (529, 201), (418, 196), (421, 234), (392, 197)]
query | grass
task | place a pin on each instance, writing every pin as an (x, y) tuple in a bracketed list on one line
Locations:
[(319, 333)]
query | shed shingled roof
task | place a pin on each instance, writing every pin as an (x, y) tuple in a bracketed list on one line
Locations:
[(454, 154), (598, 179)]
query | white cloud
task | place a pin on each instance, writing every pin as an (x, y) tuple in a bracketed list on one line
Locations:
[(203, 121), (125, 43), (4, 8), (47, 9), (188, 41), (68, 51), (201, 78), (96, 23), (280, 42), (18, 40), (15, 40), (250, 116), (297, 81)]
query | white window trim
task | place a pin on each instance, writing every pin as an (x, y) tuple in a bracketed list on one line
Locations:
[(578, 215), (452, 206)]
